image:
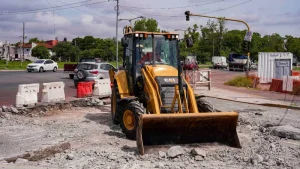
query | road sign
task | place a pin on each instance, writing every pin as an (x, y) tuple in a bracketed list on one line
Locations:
[(248, 36)]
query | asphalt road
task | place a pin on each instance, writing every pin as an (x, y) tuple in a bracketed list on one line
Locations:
[(10, 81)]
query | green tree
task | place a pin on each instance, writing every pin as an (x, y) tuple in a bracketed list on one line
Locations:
[(35, 40), (65, 51), (149, 25), (40, 52), (293, 45)]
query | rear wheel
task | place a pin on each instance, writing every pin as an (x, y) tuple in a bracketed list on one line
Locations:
[(54, 69), (204, 106), (129, 118)]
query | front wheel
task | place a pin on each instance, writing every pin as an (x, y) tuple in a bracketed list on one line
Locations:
[(115, 109), (130, 117), (41, 69), (204, 105)]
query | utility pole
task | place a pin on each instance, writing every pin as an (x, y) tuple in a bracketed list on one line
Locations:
[(117, 24), (23, 42), (213, 47)]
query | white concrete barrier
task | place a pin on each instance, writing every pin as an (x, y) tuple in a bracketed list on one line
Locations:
[(102, 87), (27, 94), (200, 77), (53, 92)]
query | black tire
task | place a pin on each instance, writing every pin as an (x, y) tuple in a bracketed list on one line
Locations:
[(54, 69), (81, 75), (137, 109), (115, 113), (28, 71), (71, 76), (41, 69), (204, 106)]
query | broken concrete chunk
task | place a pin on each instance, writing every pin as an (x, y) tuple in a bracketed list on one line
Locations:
[(161, 154), (21, 161), (175, 151), (198, 151), (286, 131), (14, 110), (70, 156)]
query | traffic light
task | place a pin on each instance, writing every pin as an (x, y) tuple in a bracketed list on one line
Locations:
[(187, 17), (246, 46)]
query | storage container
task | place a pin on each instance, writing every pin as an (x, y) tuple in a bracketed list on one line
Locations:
[(274, 65)]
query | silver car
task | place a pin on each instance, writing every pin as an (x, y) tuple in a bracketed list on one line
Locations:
[(91, 71)]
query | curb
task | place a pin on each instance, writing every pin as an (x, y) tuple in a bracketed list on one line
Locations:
[(260, 104), (24, 70)]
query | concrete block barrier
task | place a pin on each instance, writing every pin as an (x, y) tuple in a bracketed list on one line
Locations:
[(27, 94), (53, 92), (102, 87)]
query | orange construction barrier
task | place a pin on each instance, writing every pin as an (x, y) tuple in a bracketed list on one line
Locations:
[(84, 89), (276, 85), (295, 73)]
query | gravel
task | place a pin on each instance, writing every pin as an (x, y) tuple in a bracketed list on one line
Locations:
[(97, 143)]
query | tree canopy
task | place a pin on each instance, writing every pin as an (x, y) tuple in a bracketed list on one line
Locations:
[(35, 40), (40, 52), (150, 25)]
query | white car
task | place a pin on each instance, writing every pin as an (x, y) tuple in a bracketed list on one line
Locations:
[(42, 65)]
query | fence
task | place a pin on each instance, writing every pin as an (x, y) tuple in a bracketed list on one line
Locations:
[(197, 78)]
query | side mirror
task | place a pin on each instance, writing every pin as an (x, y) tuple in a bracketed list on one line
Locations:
[(124, 42), (189, 42)]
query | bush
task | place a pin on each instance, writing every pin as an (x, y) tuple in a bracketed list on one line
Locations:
[(240, 81)]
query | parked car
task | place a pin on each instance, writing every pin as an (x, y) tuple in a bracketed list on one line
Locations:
[(42, 65), (69, 68), (91, 71), (219, 62)]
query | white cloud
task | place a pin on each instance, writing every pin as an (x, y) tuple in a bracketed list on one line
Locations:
[(266, 17)]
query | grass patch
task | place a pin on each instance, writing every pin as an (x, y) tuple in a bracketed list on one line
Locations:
[(16, 65), (205, 65), (296, 68), (240, 81), (13, 65)]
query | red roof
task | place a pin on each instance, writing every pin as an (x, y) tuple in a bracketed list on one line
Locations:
[(47, 45)]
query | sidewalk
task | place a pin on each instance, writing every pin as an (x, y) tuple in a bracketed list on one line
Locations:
[(244, 97)]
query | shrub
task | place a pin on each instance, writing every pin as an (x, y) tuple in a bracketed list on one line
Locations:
[(240, 81)]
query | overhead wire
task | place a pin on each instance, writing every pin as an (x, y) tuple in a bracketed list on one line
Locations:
[(180, 7), (86, 11), (55, 8), (54, 26), (163, 15)]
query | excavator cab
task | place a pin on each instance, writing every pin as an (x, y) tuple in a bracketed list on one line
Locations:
[(155, 105)]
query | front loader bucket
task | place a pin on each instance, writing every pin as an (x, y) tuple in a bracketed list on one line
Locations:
[(187, 128)]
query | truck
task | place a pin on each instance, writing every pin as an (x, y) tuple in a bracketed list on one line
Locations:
[(69, 68), (237, 62), (219, 62)]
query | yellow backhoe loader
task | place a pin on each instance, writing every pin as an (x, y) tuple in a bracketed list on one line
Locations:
[(155, 105)]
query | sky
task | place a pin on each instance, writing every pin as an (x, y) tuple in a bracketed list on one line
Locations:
[(98, 17)]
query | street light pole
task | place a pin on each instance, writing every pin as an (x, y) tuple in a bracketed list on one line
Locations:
[(130, 20), (228, 19)]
